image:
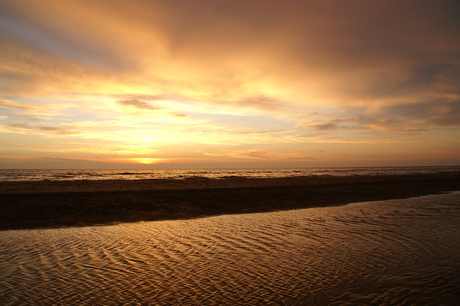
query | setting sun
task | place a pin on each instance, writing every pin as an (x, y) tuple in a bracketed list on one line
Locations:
[(147, 161)]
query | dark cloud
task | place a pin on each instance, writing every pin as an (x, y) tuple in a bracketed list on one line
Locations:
[(146, 106), (407, 117), (439, 79), (354, 29), (354, 49), (263, 154), (358, 50), (13, 105), (439, 113), (137, 103), (12, 83), (343, 121), (131, 97), (325, 126), (265, 132), (43, 128), (314, 135)]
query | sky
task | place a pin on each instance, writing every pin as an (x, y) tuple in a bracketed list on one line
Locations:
[(229, 83)]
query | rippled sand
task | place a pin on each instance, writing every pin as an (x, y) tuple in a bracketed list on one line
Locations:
[(398, 252)]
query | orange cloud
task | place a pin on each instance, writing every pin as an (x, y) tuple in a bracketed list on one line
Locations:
[(262, 155), (263, 74)]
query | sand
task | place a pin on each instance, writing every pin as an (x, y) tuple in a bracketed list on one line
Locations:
[(53, 204)]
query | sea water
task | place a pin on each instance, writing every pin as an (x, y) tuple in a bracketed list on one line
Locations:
[(397, 252), (117, 174)]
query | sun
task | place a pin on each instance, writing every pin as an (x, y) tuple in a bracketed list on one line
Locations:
[(146, 160)]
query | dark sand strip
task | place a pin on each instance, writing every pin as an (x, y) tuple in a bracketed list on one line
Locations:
[(45, 204)]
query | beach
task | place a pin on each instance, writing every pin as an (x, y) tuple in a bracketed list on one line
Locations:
[(395, 252), (55, 204)]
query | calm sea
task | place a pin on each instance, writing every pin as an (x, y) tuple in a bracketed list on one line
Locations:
[(398, 252), (91, 174)]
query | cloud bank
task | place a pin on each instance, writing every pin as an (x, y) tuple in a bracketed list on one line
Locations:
[(194, 74)]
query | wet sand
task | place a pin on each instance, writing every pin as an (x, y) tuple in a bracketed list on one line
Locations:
[(52, 204)]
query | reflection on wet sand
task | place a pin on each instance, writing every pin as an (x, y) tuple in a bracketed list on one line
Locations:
[(390, 252)]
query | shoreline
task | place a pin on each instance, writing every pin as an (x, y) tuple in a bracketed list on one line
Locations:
[(55, 204)]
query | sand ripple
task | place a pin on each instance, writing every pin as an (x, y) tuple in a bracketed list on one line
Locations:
[(399, 252)]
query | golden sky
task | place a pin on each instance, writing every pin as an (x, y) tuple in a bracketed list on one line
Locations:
[(229, 83)]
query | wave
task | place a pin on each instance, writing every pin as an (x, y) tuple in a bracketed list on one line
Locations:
[(116, 174)]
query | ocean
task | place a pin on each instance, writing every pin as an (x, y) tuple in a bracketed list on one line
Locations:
[(117, 174), (396, 252)]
